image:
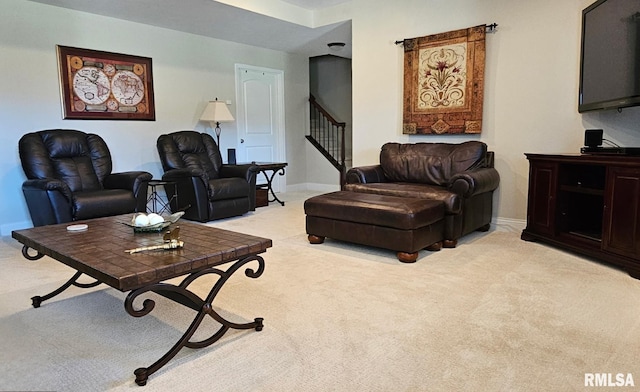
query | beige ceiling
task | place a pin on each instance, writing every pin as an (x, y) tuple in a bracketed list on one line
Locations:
[(218, 20)]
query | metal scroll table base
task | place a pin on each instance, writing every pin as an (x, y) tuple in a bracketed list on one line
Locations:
[(269, 179), (180, 294)]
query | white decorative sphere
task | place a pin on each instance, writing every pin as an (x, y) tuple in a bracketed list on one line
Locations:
[(155, 219), (141, 220)]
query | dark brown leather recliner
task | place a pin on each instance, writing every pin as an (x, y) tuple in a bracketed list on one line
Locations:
[(462, 176), (69, 178), (210, 189)]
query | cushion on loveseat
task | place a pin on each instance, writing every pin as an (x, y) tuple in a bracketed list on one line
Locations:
[(430, 163)]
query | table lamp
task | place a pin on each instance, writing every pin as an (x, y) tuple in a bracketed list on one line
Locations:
[(216, 112)]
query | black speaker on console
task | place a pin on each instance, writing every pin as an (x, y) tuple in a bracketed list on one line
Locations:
[(593, 137), (231, 156)]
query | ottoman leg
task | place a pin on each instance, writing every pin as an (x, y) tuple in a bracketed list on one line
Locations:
[(485, 227), (450, 243), (407, 257), (434, 247), (314, 239)]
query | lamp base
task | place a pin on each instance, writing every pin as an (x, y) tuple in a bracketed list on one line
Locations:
[(218, 131)]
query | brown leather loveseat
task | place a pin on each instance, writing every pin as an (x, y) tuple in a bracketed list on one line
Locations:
[(461, 175)]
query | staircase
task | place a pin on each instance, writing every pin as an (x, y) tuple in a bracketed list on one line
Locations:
[(328, 136)]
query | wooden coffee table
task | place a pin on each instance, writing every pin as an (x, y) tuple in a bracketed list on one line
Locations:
[(99, 252)]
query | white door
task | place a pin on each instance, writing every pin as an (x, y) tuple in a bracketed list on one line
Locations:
[(260, 117)]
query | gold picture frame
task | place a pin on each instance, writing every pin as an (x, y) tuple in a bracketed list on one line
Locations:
[(97, 85), (444, 82)]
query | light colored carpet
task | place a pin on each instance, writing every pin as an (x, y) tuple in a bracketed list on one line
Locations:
[(494, 314)]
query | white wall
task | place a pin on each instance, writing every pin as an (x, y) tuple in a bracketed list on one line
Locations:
[(188, 71), (531, 82)]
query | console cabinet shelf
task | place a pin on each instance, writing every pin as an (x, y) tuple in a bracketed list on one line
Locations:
[(588, 204)]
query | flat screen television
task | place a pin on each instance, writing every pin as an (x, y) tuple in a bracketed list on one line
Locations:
[(610, 56)]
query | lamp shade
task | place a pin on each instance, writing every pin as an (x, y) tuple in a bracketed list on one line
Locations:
[(216, 111)]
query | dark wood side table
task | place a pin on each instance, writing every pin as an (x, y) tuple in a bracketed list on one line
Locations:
[(273, 167)]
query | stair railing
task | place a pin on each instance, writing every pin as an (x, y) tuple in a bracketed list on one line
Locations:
[(328, 136)]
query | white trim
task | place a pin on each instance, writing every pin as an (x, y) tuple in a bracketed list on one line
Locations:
[(510, 225), (307, 186)]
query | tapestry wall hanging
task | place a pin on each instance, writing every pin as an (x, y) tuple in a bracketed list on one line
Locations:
[(444, 82), (99, 85)]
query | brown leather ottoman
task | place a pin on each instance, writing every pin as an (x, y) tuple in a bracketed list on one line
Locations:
[(403, 224)]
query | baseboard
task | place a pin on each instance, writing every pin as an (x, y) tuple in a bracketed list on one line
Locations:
[(510, 225), (325, 188)]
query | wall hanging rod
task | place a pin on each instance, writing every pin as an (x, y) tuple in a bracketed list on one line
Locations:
[(491, 28)]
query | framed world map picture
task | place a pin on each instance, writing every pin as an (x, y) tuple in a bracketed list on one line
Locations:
[(99, 85)]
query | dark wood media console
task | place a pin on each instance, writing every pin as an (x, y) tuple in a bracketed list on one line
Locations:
[(589, 204)]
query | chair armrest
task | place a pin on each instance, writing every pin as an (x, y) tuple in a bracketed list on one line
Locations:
[(186, 177), (131, 180), (134, 181), (474, 182), (245, 171), (193, 190), (180, 174), (49, 201), (48, 184), (365, 175)]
